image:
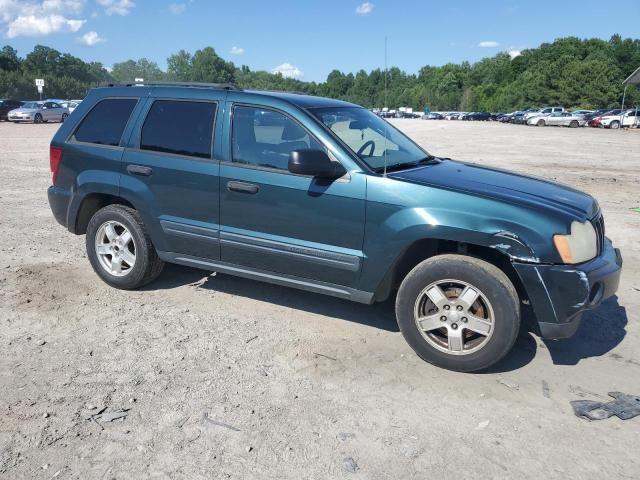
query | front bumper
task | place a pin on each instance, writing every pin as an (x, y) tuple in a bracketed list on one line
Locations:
[(560, 294)]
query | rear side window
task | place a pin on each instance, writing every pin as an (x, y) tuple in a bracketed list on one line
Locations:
[(179, 127), (105, 123)]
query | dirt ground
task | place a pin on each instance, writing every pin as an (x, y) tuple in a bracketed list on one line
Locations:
[(228, 378)]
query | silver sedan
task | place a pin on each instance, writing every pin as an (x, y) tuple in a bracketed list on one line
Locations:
[(38, 112), (560, 119)]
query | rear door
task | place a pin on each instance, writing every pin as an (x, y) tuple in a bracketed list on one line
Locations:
[(171, 165)]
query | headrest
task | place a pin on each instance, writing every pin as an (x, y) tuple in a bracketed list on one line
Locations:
[(292, 132)]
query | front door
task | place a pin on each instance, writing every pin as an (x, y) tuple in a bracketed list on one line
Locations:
[(171, 165), (275, 221)]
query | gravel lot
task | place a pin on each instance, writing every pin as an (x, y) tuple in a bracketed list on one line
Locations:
[(229, 378)]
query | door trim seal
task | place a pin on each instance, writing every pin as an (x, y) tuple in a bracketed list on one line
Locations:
[(327, 258), (307, 284), (189, 231)]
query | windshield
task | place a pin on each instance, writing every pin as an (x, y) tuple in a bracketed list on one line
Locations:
[(30, 105), (371, 138)]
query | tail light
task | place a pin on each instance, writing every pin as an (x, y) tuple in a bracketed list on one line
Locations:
[(55, 159)]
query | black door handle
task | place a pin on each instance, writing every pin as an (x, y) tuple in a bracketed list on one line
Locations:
[(139, 170), (243, 187)]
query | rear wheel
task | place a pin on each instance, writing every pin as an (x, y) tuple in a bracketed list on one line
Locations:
[(540, 123), (458, 312), (63, 118), (37, 118), (120, 250), (574, 124)]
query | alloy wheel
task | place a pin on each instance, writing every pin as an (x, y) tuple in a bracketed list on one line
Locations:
[(115, 248), (454, 317)]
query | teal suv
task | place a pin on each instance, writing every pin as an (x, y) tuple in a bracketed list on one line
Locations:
[(325, 196)]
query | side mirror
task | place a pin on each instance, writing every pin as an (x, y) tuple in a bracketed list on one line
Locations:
[(315, 163)]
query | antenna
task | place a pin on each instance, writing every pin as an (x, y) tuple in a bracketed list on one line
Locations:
[(385, 104)]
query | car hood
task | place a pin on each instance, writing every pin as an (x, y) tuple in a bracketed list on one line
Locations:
[(25, 110), (529, 192)]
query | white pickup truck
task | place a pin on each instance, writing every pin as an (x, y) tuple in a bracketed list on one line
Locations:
[(543, 112)]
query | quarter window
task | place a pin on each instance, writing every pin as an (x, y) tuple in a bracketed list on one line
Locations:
[(179, 127), (105, 123), (265, 138)]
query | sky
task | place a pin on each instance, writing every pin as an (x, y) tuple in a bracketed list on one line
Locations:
[(306, 39)]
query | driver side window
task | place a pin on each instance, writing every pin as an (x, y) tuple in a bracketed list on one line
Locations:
[(265, 138)]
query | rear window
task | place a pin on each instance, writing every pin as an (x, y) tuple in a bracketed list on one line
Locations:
[(105, 123), (179, 127)]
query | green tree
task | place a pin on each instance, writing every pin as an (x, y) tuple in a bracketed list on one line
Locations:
[(207, 66), (179, 66)]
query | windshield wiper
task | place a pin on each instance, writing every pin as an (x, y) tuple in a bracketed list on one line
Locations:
[(429, 160)]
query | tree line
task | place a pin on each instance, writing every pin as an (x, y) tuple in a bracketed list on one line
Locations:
[(573, 72)]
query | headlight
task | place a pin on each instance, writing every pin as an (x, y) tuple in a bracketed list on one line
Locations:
[(580, 245)]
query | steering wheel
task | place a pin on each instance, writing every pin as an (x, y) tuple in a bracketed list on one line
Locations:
[(369, 143)]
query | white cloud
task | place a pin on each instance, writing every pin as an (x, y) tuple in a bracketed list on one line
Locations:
[(365, 8), (90, 39), (514, 53), (117, 7), (288, 71), (32, 26), (236, 51), (488, 44), (177, 8), (36, 18)]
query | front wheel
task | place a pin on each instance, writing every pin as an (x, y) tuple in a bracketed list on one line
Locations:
[(120, 249), (458, 312), (615, 125), (574, 124), (540, 123), (37, 118)]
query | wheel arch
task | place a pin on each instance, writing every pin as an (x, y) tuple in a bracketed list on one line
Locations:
[(423, 249), (93, 202)]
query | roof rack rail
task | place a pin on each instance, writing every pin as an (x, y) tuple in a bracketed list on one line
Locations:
[(217, 86)]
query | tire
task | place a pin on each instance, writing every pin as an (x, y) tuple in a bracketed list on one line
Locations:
[(573, 124), (37, 118), (146, 265), (614, 125), (63, 118), (496, 310), (540, 123)]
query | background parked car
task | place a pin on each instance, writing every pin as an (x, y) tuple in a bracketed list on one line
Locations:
[(479, 116), (6, 106), (562, 119), (520, 118), (542, 111), (597, 120), (433, 116), (506, 117), (590, 116), (71, 105), (582, 113), (38, 112), (630, 118)]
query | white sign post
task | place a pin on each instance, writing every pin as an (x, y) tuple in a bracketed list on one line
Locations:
[(40, 86)]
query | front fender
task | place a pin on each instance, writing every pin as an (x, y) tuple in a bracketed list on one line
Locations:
[(437, 214)]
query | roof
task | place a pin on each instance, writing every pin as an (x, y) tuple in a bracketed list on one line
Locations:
[(633, 79), (302, 100), (299, 99)]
